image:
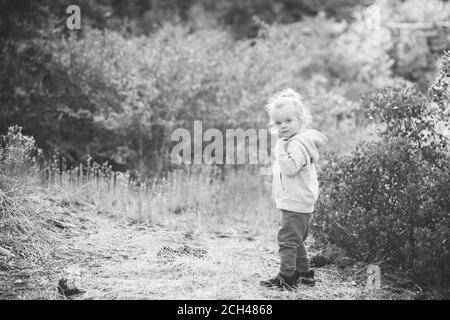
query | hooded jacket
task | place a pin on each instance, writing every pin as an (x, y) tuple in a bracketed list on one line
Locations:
[(295, 186)]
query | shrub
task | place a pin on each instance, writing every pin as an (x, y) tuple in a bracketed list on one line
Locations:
[(22, 231), (389, 199), (18, 162), (118, 98)]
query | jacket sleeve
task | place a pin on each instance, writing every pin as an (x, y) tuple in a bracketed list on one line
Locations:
[(293, 159)]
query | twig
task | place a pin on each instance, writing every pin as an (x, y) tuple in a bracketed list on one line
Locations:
[(342, 228)]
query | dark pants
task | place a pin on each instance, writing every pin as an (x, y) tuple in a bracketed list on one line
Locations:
[(291, 236)]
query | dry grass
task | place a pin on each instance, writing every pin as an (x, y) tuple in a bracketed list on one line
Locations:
[(196, 198), (130, 249), (122, 240), (133, 262), (23, 229)]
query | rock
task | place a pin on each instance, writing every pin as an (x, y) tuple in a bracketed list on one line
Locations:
[(67, 287)]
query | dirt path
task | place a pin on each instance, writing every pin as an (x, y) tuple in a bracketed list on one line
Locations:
[(111, 259)]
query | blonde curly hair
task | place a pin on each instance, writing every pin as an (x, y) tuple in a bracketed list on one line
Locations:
[(290, 97)]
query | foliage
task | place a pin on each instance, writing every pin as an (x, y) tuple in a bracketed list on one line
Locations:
[(19, 166), (117, 96), (389, 199)]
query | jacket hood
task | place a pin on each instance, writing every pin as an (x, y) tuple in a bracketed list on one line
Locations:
[(312, 140)]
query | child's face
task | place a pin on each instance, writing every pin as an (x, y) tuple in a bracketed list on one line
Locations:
[(286, 121)]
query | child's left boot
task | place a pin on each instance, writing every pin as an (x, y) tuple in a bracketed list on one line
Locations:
[(306, 278), (281, 282)]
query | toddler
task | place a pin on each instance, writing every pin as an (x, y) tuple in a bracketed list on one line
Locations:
[(295, 187)]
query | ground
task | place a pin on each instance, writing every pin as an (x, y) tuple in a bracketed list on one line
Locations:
[(110, 257)]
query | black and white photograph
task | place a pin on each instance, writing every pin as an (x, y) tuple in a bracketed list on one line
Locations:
[(245, 151)]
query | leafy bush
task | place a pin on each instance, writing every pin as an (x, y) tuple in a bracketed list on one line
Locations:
[(124, 110), (118, 98), (389, 199)]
